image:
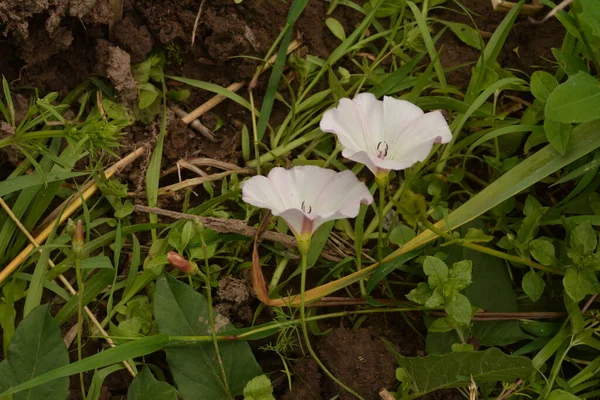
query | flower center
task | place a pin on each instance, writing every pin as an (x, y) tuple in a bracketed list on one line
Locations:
[(304, 208), (382, 150)]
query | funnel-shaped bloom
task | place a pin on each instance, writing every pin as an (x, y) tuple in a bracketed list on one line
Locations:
[(307, 196), (385, 135)]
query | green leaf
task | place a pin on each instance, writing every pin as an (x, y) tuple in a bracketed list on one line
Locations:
[(401, 234), (542, 84), (457, 369), (146, 387), (583, 238), (259, 388), (93, 288), (136, 348), (336, 28), (95, 389), (561, 395), (420, 294), (557, 134), (436, 270), (576, 100), (570, 63), (579, 283), (461, 274), (467, 34), (15, 184), (460, 309), (97, 262), (37, 347), (591, 15), (542, 250), (533, 285), (181, 311)]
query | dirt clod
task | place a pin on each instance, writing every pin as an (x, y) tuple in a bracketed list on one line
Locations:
[(115, 63)]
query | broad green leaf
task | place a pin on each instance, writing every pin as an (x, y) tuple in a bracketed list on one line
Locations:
[(336, 28), (467, 34), (421, 293), (542, 250), (457, 369), (579, 283), (181, 311), (533, 285), (461, 274), (460, 309), (401, 234), (136, 348), (436, 270), (561, 395), (576, 100), (146, 387), (37, 347), (568, 62), (583, 238), (591, 15), (542, 84), (557, 134), (259, 388), (318, 242), (98, 262)]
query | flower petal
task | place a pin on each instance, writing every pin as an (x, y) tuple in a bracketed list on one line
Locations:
[(343, 197), (260, 191), (398, 114), (362, 157), (295, 220), (418, 138), (358, 123)]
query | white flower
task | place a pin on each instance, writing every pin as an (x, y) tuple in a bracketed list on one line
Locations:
[(385, 135), (307, 196)]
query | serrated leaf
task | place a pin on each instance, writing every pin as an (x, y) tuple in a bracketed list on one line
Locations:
[(181, 311), (542, 84), (36, 348), (259, 388), (575, 101), (436, 270), (146, 387), (533, 285), (456, 369)]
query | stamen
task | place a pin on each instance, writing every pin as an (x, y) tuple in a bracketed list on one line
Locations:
[(303, 208), (382, 153)]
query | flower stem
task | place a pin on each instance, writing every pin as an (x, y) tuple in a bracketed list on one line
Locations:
[(278, 273), (381, 186), (79, 276), (211, 318), (305, 331)]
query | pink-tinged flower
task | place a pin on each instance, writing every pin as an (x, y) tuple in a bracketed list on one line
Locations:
[(307, 196), (385, 135)]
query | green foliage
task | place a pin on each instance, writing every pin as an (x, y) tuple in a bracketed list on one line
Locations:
[(146, 387), (36, 348), (443, 290), (458, 368), (181, 311), (259, 388)]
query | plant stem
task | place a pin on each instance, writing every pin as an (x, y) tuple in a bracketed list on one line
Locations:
[(211, 318), (278, 272), (78, 274), (305, 331), (381, 187)]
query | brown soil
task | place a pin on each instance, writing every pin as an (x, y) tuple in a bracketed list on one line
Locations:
[(55, 45)]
